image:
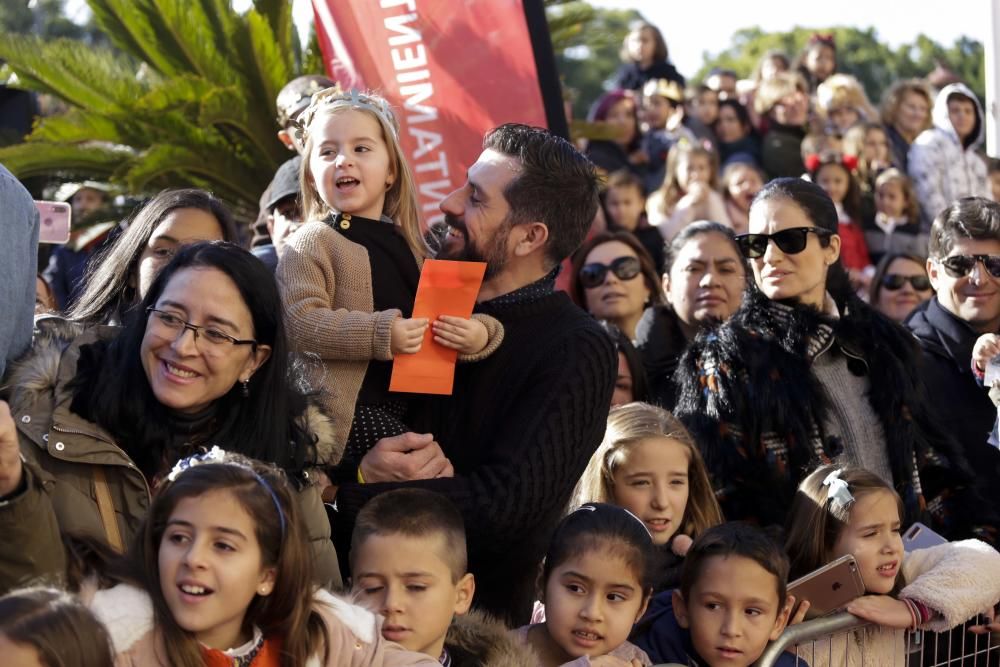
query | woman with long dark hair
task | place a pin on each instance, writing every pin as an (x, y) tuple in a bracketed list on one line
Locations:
[(806, 373), (201, 362)]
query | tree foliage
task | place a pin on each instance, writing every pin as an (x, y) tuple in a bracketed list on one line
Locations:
[(186, 97), (587, 41), (859, 52)]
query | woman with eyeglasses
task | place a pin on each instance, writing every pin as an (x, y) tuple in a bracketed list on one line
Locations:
[(201, 362), (899, 286), (806, 373), (614, 280)]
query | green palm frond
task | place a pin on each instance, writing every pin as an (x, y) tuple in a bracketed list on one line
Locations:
[(84, 76), (69, 160), (190, 102)]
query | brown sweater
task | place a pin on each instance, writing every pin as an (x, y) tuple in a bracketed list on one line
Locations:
[(326, 286)]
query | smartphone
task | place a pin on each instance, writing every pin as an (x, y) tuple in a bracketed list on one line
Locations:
[(829, 588), (55, 221), (919, 536)]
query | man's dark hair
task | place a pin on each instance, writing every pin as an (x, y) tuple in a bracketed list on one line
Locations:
[(969, 218), (557, 185), (735, 539), (414, 513)]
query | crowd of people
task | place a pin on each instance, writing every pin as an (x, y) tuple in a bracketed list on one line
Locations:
[(774, 349)]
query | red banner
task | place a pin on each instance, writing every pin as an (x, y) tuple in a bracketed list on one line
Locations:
[(452, 69)]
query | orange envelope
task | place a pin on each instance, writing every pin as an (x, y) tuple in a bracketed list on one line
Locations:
[(446, 288)]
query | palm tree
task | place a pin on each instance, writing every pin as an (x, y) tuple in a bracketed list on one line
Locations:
[(186, 100)]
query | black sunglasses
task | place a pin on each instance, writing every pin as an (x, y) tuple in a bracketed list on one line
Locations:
[(960, 265), (625, 268), (789, 241), (895, 281)]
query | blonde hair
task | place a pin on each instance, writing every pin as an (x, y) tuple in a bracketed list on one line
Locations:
[(671, 189), (401, 198), (773, 90), (628, 425), (843, 90), (893, 99)]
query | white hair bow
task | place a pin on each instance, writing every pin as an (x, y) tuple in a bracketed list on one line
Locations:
[(837, 491), (214, 455)]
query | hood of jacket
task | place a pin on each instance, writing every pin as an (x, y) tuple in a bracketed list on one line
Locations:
[(940, 114), (477, 639), (39, 382)]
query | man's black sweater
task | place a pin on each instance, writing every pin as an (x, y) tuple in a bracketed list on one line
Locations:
[(519, 429)]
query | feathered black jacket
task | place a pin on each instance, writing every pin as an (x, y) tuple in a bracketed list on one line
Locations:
[(748, 394)]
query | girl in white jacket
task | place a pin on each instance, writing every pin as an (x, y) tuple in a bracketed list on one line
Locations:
[(848, 510)]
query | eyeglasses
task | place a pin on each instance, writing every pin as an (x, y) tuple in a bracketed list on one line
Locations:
[(895, 281), (961, 265), (625, 268), (165, 321), (789, 241)]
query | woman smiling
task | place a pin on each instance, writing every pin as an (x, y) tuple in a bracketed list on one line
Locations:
[(202, 361)]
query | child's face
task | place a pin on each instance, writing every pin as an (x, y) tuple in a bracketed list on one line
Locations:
[(844, 117), (732, 612), (872, 537), (962, 114), (694, 168), (876, 147), (651, 482), (792, 109), (622, 116), (625, 206), (350, 162), (729, 127), (211, 568), (591, 603), (657, 110), (706, 106), (408, 581), (835, 180), (641, 45), (889, 199), (821, 61)]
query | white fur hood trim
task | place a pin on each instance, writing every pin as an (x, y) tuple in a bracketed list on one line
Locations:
[(127, 613), (361, 622)]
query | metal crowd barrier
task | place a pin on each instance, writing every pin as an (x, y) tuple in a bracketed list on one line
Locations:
[(843, 639)]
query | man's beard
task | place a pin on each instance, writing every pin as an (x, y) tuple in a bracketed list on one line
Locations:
[(494, 254)]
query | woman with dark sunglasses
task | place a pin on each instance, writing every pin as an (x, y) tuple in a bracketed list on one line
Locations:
[(614, 280), (806, 373), (899, 286)]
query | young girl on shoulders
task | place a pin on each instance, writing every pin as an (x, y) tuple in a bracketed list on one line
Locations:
[(220, 574), (649, 464), (349, 277), (596, 583), (841, 510)]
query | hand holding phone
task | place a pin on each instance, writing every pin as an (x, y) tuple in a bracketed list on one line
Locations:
[(55, 218)]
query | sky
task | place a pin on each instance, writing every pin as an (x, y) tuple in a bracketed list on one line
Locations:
[(691, 27)]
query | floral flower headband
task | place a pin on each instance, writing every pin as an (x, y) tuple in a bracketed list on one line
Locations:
[(353, 99)]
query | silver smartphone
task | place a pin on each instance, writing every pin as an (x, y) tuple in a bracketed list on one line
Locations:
[(919, 536), (829, 588)]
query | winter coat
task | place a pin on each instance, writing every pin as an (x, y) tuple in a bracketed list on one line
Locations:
[(749, 396), (959, 404), (353, 634), (956, 580), (476, 639), (943, 168), (80, 482), (660, 342), (631, 76), (781, 151)]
